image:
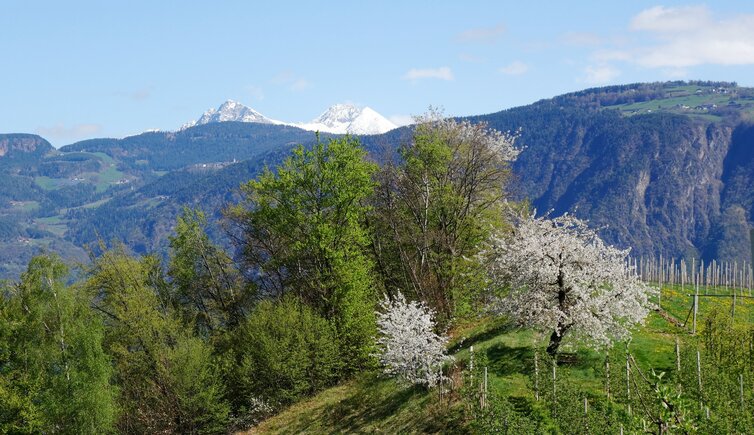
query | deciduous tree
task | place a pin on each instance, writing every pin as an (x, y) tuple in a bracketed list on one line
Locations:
[(564, 279), (408, 346), (435, 208), (302, 232)]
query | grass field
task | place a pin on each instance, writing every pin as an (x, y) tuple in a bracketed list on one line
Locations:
[(374, 404), (693, 100), (102, 179)]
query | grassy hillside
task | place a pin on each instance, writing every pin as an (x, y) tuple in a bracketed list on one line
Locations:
[(374, 404)]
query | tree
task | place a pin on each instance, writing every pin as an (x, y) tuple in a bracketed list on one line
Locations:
[(302, 232), (208, 289), (563, 278), (408, 346), (167, 377), (283, 351), (54, 374), (434, 209)]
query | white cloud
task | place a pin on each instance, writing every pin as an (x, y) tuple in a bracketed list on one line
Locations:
[(485, 35), (515, 68), (442, 73), (662, 19), (401, 120), (600, 74), (690, 36), (61, 132), (675, 73)]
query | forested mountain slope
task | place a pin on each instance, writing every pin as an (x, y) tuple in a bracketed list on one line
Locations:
[(664, 168)]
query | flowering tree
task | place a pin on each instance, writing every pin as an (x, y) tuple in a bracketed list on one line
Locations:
[(563, 278), (408, 346), (433, 210)]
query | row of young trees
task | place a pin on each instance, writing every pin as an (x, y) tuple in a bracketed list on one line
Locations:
[(211, 341)]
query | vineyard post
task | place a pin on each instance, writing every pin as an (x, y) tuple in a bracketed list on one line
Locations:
[(733, 310), (699, 376), (741, 384), (536, 376), (628, 381), (751, 241), (607, 375), (554, 378), (484, 390)]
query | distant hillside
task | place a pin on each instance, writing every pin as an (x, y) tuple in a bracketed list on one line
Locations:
[(213, 142), (664, 168), (662, 180)]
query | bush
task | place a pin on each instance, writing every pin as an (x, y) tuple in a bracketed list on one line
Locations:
[(408, 346), (284, 351)]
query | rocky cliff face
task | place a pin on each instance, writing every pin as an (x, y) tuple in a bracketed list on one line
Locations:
[(660, 183), (22, 143)]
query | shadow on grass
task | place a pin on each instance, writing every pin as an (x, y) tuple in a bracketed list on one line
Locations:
[(497, 329), (371, 406), (505, 360)]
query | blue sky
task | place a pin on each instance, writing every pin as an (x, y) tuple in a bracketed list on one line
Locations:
[(73, 70)]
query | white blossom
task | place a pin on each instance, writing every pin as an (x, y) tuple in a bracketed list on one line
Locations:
[(563, 278), (408, 346), (501, 143)]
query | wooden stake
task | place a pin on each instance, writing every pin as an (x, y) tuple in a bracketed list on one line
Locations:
[(484, 391), (536, 376), (699, 375), (741, 384), (607, 374), (628, 383)]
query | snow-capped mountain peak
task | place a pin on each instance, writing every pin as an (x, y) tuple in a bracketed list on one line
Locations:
[(347, 118), (231, 111), (338, 119)]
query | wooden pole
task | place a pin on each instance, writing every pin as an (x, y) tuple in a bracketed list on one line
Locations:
[(554, 379), (484, 391), (607, 375), (741, 384), (536, 376), (696, 307), (628, 383), (699, 376), (678, 354), (733, 310)]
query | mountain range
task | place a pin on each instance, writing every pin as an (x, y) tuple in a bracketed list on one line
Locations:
[(338, 119), (664, 168)]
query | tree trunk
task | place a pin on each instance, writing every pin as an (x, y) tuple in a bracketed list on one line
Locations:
[(555, 339)]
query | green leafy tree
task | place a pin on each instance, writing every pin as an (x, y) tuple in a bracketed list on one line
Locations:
[(434, 210), (54, 374), (284, 351), (208, 289), (303, 233), (167, 376)]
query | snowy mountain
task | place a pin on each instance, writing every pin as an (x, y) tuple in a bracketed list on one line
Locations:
[(231, 111), (347, 118), (338, 119)]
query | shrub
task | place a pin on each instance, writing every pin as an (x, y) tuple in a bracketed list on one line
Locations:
[(284, 351), (409, 347)]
